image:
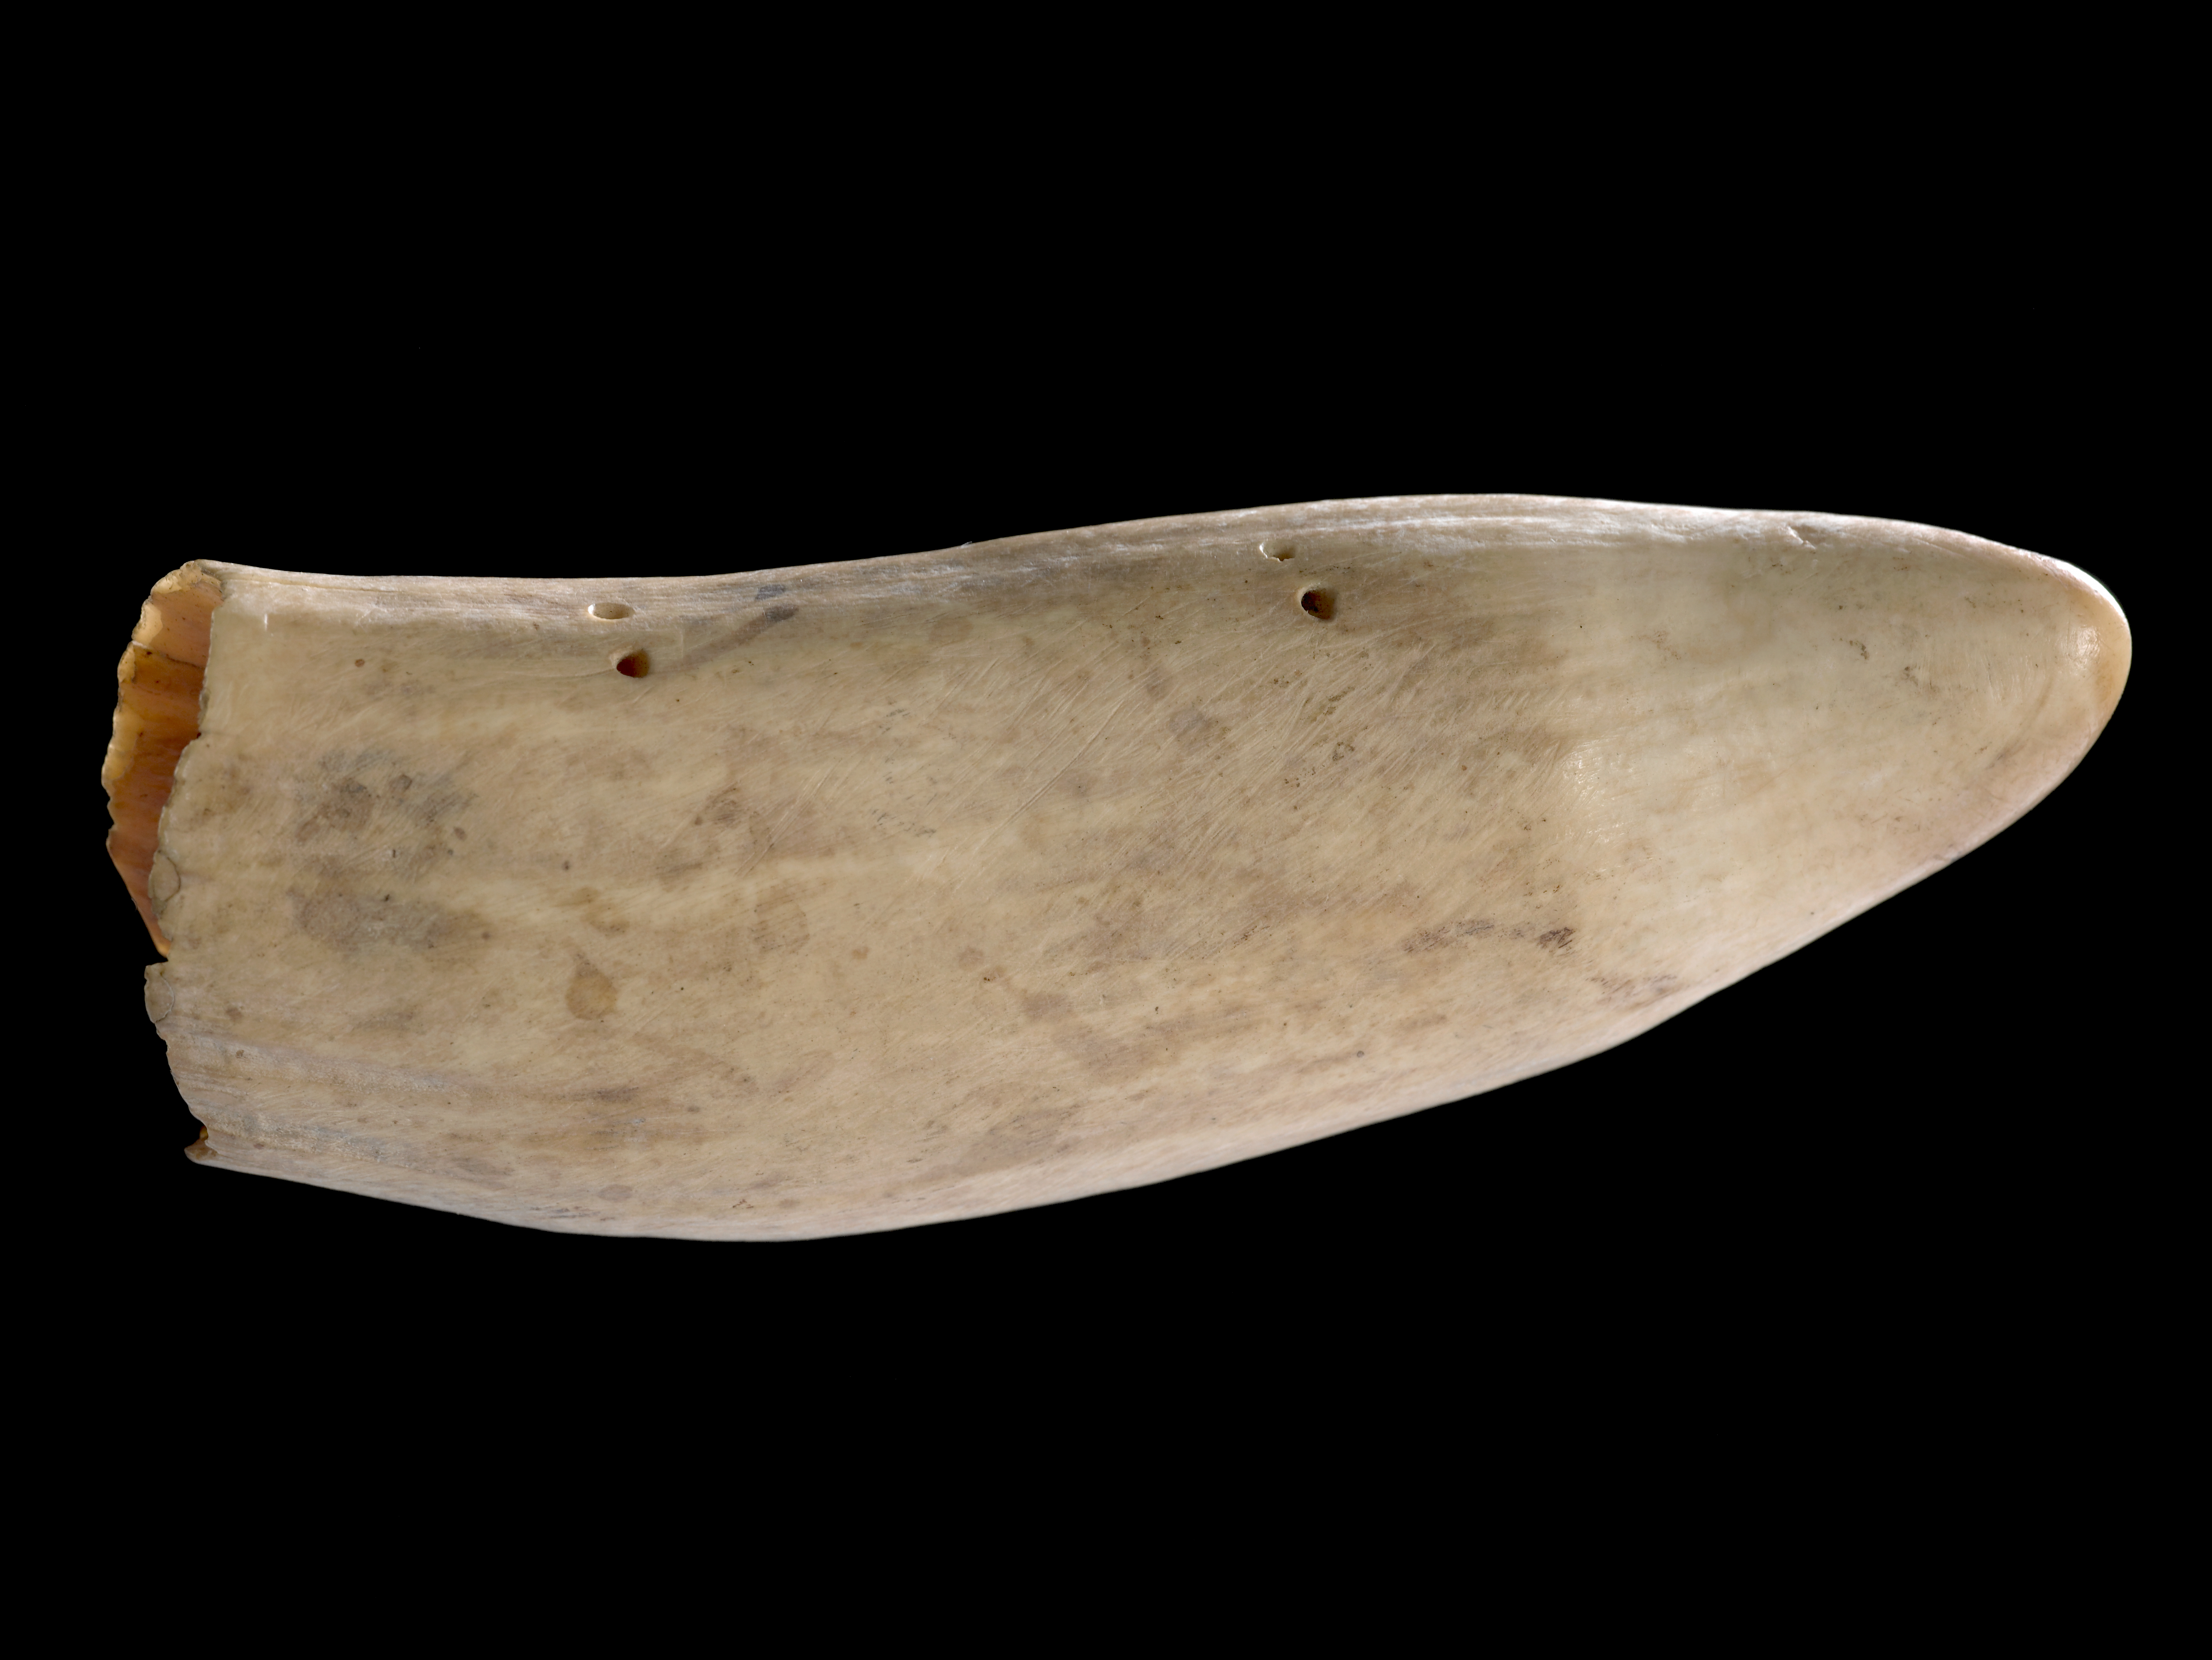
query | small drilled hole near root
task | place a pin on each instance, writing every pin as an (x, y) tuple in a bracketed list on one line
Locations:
[(1318, 602), (1276, 551), (611, 610), (635, 664)]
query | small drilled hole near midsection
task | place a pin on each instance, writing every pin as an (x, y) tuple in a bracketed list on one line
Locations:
[(1318, 602), (611, 610), (635, 664), (1276, 551)]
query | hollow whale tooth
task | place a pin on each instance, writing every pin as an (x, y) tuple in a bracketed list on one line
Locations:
[(845, 897)]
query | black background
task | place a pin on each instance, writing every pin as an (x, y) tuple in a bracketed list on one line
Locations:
[(1941, 1126)]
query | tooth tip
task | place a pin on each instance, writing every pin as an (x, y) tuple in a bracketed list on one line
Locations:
[(2098, 645), (2102, 633)]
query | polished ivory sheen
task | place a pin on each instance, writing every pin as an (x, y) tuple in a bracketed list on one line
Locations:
[(844, 898)]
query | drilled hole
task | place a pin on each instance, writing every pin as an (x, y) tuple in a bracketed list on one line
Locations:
[(635, 664), (1276, 549), (611, 610), (1318, 602)]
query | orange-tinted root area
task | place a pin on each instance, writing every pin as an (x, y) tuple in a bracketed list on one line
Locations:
[(157, 713)]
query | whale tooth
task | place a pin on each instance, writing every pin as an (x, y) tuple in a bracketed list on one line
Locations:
[(850, 897)]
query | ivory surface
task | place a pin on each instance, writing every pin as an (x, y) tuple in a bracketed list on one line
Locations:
[(930, 886)]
